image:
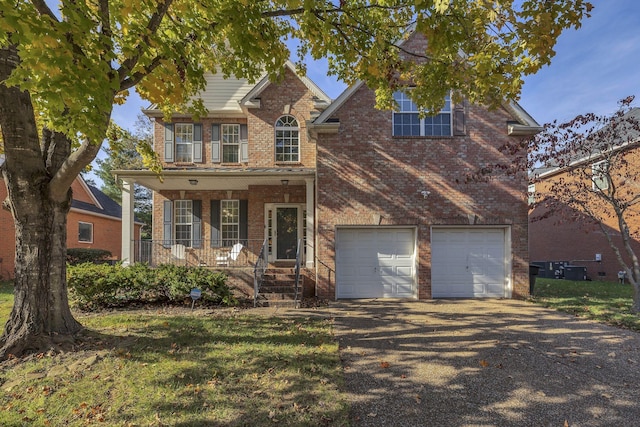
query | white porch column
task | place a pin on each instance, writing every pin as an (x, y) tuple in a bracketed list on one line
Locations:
[(311, 233), (127, 223)]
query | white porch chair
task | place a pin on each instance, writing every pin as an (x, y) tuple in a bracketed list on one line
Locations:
[(232, 255), (178, 251)]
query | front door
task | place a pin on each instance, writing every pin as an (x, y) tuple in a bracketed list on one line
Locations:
[(286, 233)]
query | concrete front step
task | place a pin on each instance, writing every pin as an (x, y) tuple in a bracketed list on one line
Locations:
[(279, 288)]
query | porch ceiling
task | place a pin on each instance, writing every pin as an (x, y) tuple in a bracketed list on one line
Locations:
[(215, 179)]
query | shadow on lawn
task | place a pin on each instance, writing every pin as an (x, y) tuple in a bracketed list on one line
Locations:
[(241, 370)]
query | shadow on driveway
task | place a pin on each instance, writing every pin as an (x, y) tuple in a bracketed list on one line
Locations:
[(483, 363)]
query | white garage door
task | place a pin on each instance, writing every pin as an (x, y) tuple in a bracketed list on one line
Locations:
[(375, 263), (468, 262)]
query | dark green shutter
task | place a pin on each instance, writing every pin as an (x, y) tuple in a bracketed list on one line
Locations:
[(244, 222), (215, 224), (196, 219), (167, 224), (459, 127)]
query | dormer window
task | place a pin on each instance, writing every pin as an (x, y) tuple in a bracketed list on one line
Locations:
[(287, 139)]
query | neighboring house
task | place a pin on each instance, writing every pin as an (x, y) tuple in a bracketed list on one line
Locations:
[(569, 236), (377, 199), (94, 221)]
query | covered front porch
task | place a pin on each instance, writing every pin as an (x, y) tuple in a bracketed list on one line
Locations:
[(223, 218)]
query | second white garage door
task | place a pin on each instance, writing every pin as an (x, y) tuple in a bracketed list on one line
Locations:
[(375, 263), (468, 262)]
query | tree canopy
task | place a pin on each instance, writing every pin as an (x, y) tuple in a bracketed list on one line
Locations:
[(76, 62), (63, 70)]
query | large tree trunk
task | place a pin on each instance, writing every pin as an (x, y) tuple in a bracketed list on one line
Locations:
[(41, 317)]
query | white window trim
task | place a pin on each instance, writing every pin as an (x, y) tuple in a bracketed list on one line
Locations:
[(224, 144), (288, 129), (599, 180), (176, 223), (91, 238), (422, 119), (236, 208), (175, 142)]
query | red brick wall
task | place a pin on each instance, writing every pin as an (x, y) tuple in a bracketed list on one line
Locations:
[(260, 122), (7, 238), (573, 237), (364, 171), (257, 197), (106, 233)]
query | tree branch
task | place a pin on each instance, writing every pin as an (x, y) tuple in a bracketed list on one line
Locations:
[(152, 27), (43, 9)]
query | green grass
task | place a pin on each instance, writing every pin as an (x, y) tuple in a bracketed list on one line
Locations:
[(139, 369), (601, 301), (6, 300)]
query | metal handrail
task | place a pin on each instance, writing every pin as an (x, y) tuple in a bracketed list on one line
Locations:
[(259, 270), (297, 270)]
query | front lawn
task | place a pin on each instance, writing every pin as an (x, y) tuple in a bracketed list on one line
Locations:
[(150, 368), (605, 302)]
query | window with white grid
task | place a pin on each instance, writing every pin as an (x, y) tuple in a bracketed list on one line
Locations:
[(287, 139), (184, 142), (230, 221), (230, 143), (407, 121), (183, 210)]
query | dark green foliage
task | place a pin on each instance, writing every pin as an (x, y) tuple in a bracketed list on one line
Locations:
[(83, 255), (95, 286)]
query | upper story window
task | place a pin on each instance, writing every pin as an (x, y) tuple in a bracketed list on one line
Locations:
[(407, 121), (182, 142), (531, 191), (287, 139), (230, 143), (600, 175), (85, 232)]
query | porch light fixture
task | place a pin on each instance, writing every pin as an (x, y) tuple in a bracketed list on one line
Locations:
[(284, 182), (193, 181)]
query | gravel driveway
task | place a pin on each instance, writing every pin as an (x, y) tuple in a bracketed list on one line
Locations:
[(483, 363)]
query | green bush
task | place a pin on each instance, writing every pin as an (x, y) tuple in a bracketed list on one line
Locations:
[(81, 255), (93, 286)]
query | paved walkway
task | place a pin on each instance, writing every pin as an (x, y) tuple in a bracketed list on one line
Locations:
[(483, 363)]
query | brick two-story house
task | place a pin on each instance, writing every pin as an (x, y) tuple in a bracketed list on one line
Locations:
[(94, 222), (378, 198)]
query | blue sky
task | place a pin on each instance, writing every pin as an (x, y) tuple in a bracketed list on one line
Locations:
[(594, 67)]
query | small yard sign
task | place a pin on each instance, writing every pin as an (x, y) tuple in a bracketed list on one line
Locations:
[(195, 294)]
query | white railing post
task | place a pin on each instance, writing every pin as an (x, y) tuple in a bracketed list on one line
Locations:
[(311, 232), (127, 254)]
